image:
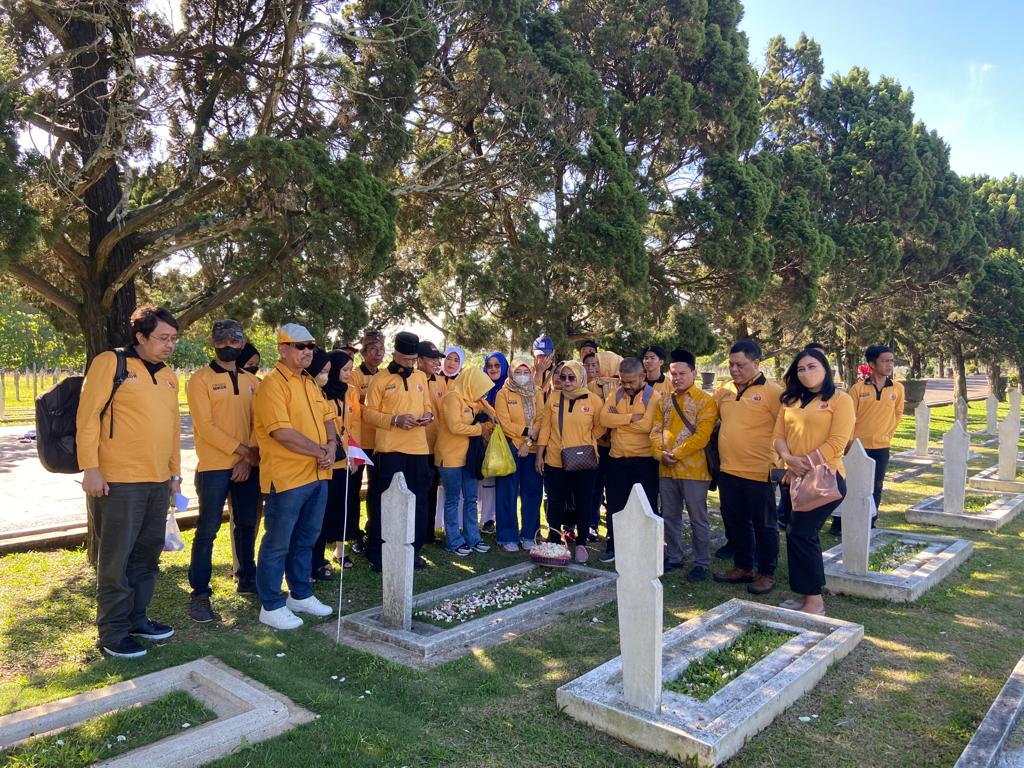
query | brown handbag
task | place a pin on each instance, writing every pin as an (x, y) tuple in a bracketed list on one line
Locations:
[(578, 458), (817, 488)]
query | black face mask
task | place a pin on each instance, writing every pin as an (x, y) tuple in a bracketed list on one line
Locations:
[(227, 354), (253, 369)]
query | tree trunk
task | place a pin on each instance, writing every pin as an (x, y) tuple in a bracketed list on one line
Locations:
[(995, 372), (942, 367), (959, 372), (849, 367), (915, 364), (741, 331)]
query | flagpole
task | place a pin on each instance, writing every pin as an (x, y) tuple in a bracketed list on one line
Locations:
[(344, 535)]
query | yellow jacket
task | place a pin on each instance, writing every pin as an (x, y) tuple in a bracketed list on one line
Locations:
[(670, 434), (582, 421), (508, 407), (878, 412), (347, 420), (745, 441), (220, 402), (360, 381), (458, 409), (825, 425), (437, 386), (390, 394), (630, 439), (145, 444)]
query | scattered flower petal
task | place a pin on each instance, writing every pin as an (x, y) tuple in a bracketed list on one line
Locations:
[(804, 719)]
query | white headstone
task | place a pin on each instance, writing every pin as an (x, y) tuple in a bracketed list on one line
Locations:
[(639, 560), (398, 530), (856, 509), (922, 425), (955, 446), (991, 415), (1015, 406), (960, 411), (1009, 435)]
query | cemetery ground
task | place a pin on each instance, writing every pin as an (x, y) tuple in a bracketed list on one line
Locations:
[(911, 694)]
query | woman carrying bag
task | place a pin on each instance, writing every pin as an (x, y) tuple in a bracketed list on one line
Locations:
[(567, 454), (812, 430)]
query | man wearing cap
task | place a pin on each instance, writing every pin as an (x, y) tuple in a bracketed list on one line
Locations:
[(220, 398), (653, 358), (587, 347), (345, 346), (429, 361), (296, 436), (543, 355), (372, 347), (398, 404)]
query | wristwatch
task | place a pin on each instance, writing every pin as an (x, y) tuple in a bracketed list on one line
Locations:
[(178, 478)]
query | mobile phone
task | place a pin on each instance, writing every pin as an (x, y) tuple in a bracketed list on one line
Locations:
[(775, 475)]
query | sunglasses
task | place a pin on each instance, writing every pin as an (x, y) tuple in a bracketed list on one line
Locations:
[(566, 377), (303, 345)]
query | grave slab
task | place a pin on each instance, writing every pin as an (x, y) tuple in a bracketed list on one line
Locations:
[(247, 712), (934, 457), (988, 480), (943, 555), (710, 732), (425, 646), (999, 742), (932, 511)]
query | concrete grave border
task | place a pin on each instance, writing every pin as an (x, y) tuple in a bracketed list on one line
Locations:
[(934, 457), (986, 747), (908, 582), (245, 709), (711, 732), (425, 646), (988, 480), (1002, 510)]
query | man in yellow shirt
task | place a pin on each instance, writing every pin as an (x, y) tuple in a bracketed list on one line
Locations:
[(372, 350), (653, 358), (398, 405), (220, 401), (629, 416), (748, 406), (429, 361), (878, 404), (297, 440), (683, 423), (128, 443)]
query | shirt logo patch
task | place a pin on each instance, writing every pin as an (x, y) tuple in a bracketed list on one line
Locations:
[(586, 409), (892, 396), (170, 385), (390, 387), (513, 402), (757, 398), (217, 387), (419, 387), (823, 407)]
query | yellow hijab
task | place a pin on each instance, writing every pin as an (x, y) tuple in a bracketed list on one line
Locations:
[(581, 378), (472, 384), (608, 363)]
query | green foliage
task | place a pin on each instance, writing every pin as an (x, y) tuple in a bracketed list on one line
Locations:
[(28, 338)]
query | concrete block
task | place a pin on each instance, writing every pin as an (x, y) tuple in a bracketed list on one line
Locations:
[(710, 732), (942, 556), (932, 511), (999, 742), (934, 457), (425, 646), (247, 712), (988, 480)]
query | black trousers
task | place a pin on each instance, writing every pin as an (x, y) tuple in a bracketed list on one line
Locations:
[(803, 546), (416, 470), (749, 514), (881, 457), (340, 521), (357, 479), (430, 534), (622, 474), (560, 486)]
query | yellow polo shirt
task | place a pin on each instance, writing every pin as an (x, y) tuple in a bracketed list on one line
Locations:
[(391, 395), (878, 412), (582, 422), (820, 424), (360, 381), (220, 402), (748, 414), (630, 439)]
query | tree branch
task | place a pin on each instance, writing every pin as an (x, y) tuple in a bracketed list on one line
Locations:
[(50, 293)]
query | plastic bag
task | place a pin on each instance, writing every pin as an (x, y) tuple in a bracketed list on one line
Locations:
[(172, 534), (498, 459)]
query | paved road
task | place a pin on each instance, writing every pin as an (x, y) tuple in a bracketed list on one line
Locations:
[(31, 497)]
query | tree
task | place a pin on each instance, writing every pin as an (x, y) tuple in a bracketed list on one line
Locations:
[(234, 141)]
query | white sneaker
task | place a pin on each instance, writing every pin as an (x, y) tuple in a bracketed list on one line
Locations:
[(310, 605), (280, 618)]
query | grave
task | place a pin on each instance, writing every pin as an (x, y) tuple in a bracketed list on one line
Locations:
[(991, 417), (856, 509), (625, 697), (247, 712), (999, 740), (960, 412), (921, 453), (391, 630), (1014, 415), (1003, 476)]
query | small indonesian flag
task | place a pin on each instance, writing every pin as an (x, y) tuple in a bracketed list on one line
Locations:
[(356, 455)]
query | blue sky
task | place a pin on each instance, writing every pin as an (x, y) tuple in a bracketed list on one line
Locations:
[(961, 59)]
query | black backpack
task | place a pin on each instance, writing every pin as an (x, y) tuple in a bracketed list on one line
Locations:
[(56, 414)]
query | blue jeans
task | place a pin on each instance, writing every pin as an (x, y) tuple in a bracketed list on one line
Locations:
[(213, 487), (291, 521), (459, 483), (524, 484)]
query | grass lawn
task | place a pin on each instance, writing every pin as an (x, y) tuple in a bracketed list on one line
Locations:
[(911, 694)]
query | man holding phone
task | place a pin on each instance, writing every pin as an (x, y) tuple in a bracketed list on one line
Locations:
[(398, 405)]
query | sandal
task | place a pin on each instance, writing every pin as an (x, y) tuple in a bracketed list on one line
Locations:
[(347, 562), (324, 573), (791, 604)]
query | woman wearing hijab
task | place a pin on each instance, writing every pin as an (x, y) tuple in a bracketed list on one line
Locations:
[(458, 423), (518, 407), (604, 386), (454, 359), (496, 368), (571, 419), (249, 359)]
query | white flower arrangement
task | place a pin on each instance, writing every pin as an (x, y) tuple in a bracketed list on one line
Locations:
[(549, 549), (502, 595)]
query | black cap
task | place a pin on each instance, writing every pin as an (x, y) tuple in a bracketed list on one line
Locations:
[(587, 343), (407, 343), (684, 356), (429, 349), (227, 330), (656, 349)]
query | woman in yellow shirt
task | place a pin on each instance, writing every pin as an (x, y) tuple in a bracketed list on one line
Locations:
[(571, 419), (815, 416)]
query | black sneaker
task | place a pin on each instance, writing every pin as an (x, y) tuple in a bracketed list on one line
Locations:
[(608, 556), (836, 529), (488, 527), (153, 630), (667, 566), (419, 563), (125, 648), (725, 552), (698, 573), (246, 587), (358, 546), (199, 609), (464, 551)]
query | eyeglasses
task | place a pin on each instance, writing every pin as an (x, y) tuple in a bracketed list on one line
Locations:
[(163, 339), (566, 377), (303, 345)]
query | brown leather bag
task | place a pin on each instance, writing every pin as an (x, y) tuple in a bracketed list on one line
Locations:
[(578, 458), (815, 489)]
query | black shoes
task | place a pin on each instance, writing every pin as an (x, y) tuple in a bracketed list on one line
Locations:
[(125, 648), (199, 609), (153, 630), (698, 573), (725, 552)]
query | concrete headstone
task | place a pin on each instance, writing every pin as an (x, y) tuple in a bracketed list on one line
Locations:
[(960, 411), (1014, 395), (856, 508), (1009, 435), (398, 530), (639, 556), (922, 425), (991, 415), (955, 446)]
